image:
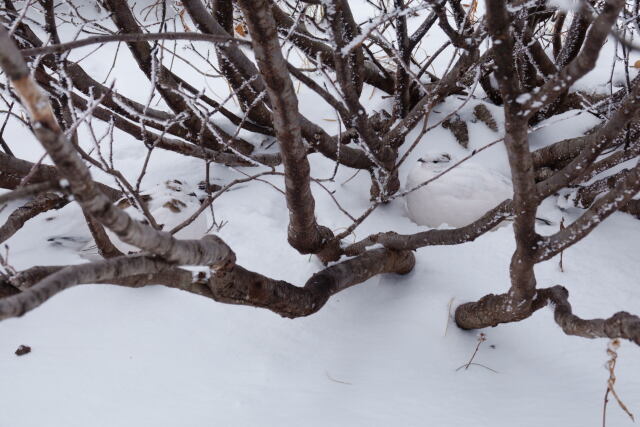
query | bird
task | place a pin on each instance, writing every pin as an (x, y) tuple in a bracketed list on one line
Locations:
[(458, 197), (170, 204)]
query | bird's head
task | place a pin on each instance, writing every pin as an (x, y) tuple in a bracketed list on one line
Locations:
[(437, 159)]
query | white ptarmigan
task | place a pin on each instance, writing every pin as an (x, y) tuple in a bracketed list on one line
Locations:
[(170, 204), (457, 198)]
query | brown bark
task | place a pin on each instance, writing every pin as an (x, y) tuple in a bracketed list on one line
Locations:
[(29, 210), (615, 199), (242, 77), (313, 48), (516, 304), (304, 233), (232, 284), (240, 286), (207, 251), (348, 71), (620, 325), (584, 61), (167, 83), (469, 233), (594, 144), (14, 170)]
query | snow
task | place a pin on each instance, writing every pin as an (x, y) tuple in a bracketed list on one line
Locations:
[(565, 5), (381, 353), (104, 355)]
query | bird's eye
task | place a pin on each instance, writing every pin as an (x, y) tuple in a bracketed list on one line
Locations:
[(436, 161)]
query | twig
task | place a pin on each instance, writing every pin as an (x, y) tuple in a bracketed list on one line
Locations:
[(611, 366), (481, 338), (476, 364), (30, 190), (3, 143), (32, 172), (4, 263), (62, 47), (448, 316), (561, 252)]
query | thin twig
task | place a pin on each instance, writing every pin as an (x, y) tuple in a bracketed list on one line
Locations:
[(611, 366), (481, 338)]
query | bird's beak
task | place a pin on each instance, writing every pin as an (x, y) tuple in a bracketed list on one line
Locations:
[(421, 161)]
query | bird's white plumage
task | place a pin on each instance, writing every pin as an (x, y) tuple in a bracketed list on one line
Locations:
[(457, 198), (170, 204)]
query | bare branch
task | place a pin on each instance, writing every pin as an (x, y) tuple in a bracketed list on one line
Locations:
[(20, 216), (581, 64), (304, 233), (624, 190), (620, 325), (134, 37)]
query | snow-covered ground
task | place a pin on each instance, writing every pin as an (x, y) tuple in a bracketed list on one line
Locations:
[(385, 352), (382, 353)]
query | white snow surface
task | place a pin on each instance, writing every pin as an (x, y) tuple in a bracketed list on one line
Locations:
[(382, 353)]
